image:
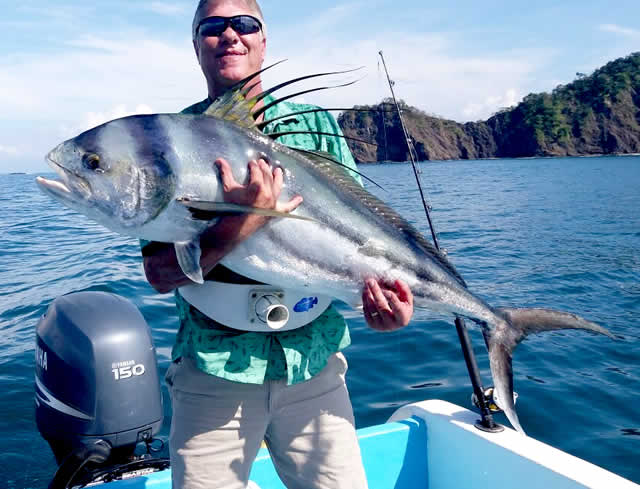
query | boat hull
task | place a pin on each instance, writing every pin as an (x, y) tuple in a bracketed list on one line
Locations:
[(435, 445)]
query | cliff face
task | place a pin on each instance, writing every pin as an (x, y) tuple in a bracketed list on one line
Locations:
[(434, 138), (597, 114)]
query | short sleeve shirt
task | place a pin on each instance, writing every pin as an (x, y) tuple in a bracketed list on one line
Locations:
[(252, 357)]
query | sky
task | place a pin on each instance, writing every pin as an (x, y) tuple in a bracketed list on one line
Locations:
[(68, 65)]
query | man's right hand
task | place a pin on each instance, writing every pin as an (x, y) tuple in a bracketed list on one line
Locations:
[(262, 190)]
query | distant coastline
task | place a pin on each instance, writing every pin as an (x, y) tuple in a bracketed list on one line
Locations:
[(493, 158), (433, 161), (594, 115)]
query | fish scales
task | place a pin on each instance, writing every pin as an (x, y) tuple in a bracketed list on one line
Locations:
[(380, 211)]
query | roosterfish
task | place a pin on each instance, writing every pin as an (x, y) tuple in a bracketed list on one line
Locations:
[(151, 177)]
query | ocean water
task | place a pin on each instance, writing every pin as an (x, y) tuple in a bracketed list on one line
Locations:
[(561, 233)]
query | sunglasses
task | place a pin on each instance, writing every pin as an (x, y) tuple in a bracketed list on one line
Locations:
[(215, 26)]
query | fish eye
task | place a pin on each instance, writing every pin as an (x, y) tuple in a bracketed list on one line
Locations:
[(91, 161)]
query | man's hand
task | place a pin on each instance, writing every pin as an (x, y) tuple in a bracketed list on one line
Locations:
[(262, 190), (387, 307)]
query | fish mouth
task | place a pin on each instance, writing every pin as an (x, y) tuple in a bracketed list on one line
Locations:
[(53, 186), (61, 189)]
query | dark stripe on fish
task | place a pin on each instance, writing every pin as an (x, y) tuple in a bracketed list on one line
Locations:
[(153, 153)]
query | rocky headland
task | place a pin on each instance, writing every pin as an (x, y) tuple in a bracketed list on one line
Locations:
[(594, 114)]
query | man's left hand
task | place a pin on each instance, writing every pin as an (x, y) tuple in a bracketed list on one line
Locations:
[(387, 307)]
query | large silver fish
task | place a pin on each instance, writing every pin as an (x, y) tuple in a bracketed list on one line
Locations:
[(152, 177)]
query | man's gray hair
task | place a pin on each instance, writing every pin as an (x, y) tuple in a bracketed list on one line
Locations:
[(252, 6)]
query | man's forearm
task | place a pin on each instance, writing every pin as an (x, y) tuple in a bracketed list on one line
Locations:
[(162, 269)]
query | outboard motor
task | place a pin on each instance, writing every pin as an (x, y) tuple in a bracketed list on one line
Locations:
[(97, 391)]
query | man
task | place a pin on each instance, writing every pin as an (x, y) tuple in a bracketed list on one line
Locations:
[(231, 389)]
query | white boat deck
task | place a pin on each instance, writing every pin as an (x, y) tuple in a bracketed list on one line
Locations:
[(461, 456)]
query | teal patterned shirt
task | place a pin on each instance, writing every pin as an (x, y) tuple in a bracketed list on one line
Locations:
[(251, 357)]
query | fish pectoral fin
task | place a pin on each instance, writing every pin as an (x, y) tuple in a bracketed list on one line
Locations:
[(188, 255), (206, 211)]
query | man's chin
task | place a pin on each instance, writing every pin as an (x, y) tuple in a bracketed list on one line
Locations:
[(230, 75)]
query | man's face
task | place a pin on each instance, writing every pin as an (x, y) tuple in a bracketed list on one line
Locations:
[(230, 57)]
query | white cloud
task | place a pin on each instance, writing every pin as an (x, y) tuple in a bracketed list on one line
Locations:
[(96, 75), (46, 99), (70, 14), (491, 104), (96, 78), (15, 94), (618, 29), (9, 150), (428, 71), (326, 19), (94, 119), (166, 8)]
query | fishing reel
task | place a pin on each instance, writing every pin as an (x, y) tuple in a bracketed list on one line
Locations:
[(492, 402), (488, 404)]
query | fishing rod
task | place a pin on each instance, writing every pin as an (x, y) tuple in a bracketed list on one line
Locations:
[(480, 398), (411, 155)]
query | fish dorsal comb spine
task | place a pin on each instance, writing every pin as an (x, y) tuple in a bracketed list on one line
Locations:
[(234, 106)]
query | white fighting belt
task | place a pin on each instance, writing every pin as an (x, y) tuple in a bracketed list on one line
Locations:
[(262, 308)]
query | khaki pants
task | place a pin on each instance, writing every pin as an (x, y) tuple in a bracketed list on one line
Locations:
[(218, 425)]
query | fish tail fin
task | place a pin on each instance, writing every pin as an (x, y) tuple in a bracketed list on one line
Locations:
[(512, 326), (536, 320)]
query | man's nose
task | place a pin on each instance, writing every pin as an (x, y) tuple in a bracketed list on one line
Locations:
[(229, 35)]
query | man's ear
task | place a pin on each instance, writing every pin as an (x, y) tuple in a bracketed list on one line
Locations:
[(264, 47)]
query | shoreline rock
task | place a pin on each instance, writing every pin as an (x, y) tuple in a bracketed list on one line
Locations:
[(594, 115)]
